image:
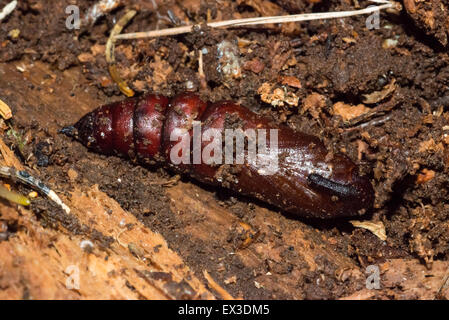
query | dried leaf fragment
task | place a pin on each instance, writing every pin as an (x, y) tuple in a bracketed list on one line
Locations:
[(378, 96), (377, 228), (215, 286), (349, 112)]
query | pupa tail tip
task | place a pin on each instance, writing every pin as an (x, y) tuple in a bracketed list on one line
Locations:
[(69, 131)]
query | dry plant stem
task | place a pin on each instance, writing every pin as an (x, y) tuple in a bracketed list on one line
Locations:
[(8, 9), (372, 123), (201, 74), (26, 178), (261, 20), (110, 56), (170, 183)]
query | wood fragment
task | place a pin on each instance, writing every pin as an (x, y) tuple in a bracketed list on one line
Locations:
[(14, 170), (377, 228), (368, 118), (9, 158), (291, 81), (348, 112), (425, 176), (110, 55), (250, 234), (215, 286), (5, 110)]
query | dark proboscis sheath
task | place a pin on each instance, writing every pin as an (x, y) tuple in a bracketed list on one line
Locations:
[(309, 182)]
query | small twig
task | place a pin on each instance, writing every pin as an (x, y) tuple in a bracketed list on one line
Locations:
[(26, 178), (372, 123), (262, 20), (110, 55), (169, 183), (201, 74), (8, 9), (214, 285)]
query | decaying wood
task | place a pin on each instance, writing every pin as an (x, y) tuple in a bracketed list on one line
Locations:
[(41, 263)]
